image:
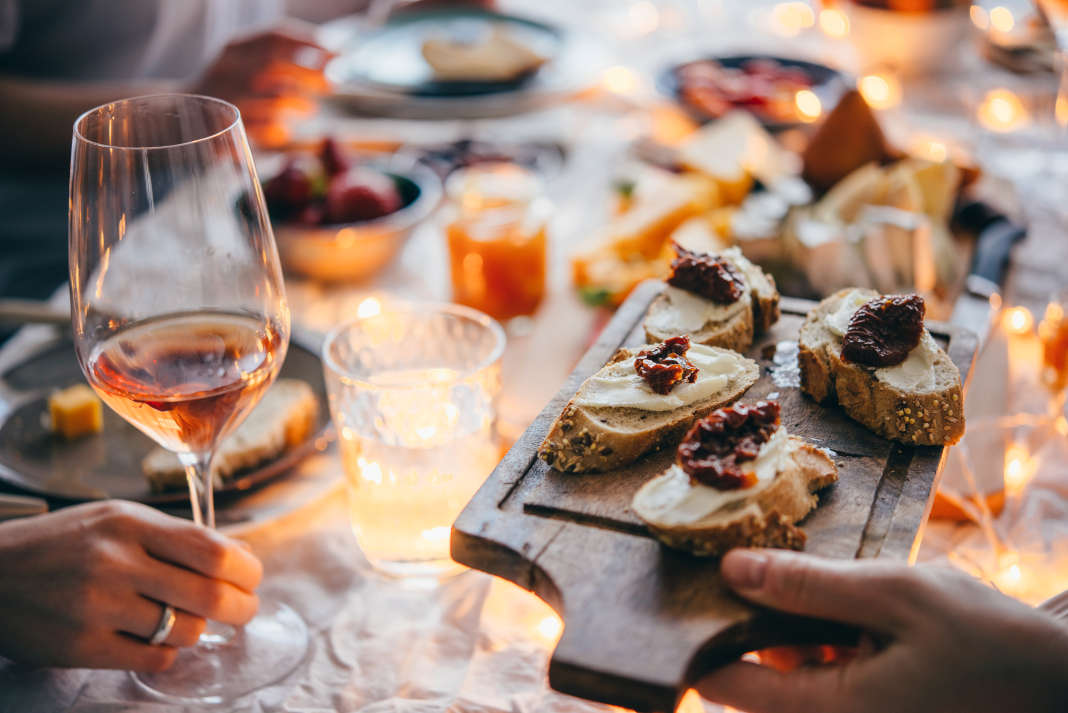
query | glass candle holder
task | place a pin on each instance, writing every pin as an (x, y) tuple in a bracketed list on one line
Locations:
[(413, 394)]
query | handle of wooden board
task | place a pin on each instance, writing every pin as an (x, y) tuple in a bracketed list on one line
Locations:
[(649, 670)]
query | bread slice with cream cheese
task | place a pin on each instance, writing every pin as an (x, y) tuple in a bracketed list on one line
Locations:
[(615, 418), (707, 521), (676, 311), (919, 401), (284, 418)]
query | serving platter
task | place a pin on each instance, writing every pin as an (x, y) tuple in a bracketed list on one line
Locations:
[(108, 464), (643, 622)]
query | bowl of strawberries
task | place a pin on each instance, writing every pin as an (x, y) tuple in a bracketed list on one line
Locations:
[(340, 219)]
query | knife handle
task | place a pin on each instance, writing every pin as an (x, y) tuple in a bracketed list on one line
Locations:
[(992, 250)]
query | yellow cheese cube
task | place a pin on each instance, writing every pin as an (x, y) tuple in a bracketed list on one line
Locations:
[(75, 411)]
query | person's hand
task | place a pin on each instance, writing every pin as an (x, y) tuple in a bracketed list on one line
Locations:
[(84, 586), (271, 76), (935, 640)]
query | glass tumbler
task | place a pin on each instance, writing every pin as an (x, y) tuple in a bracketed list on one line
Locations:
[(413, 394)]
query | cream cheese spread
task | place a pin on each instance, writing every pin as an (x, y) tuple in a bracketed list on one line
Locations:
[(619, 386), (917, 372), (671, 499), (838, 321), (687, 313)]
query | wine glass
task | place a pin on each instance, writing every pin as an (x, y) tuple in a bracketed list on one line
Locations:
[(181, 323)]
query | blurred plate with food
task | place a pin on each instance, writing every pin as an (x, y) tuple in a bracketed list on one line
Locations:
[(845, 208), (546, 158), (450, 53), (59, 441), (456, 63), (780, 92)]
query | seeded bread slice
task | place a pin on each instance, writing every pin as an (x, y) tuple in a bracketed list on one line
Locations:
[(767, 518), (736, 332), (815, 345), (932, 417), (765, 296), (283, 418), (594, 439)]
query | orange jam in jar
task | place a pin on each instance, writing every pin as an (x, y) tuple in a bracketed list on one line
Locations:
[(496, 228)]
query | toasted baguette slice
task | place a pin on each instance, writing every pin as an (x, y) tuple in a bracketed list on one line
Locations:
[(735, 332), (284, 418), (766, 517), (594, 439), (932, 416), (759, 311)]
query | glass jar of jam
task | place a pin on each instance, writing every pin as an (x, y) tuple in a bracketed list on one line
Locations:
[(496, 229)]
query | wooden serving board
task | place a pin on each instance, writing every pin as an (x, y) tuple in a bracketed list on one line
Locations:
[(643, 622)]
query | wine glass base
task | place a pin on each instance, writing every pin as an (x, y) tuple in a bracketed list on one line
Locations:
[(417, 569), (265, 651)]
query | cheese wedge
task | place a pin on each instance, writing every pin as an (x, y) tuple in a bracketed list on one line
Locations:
[(75, 411)]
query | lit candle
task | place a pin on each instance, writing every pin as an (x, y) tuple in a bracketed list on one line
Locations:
[(929, 147), (549, 628), (979, 16), (789, 18), (881, 91), (1018, 320), (833, 22), (620, 80), (1001, 110), (369, 307), (1001, 19), (1018, 470), (808, 105)]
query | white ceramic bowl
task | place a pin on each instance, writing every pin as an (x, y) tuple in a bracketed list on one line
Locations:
[(350, 252), (911, 43)]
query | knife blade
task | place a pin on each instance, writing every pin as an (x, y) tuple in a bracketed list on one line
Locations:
[(982, 288), (19, 311), (16, 506)]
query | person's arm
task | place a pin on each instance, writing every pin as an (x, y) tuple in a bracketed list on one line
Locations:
[(86, 586), (266, 74), (936, 641)]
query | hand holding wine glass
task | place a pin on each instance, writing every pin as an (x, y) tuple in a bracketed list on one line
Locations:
[(180, 324), (78, 584)]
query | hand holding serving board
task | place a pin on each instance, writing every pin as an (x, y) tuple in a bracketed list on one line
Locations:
[(643, 622)]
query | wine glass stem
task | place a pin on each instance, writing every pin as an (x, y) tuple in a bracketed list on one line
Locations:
[(201, 486)]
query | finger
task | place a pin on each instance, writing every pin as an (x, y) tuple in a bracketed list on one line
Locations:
[(873, 595), (284, 78), (282, 43), (142, 616), (758, 689), (204, 551), (194, 593)]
